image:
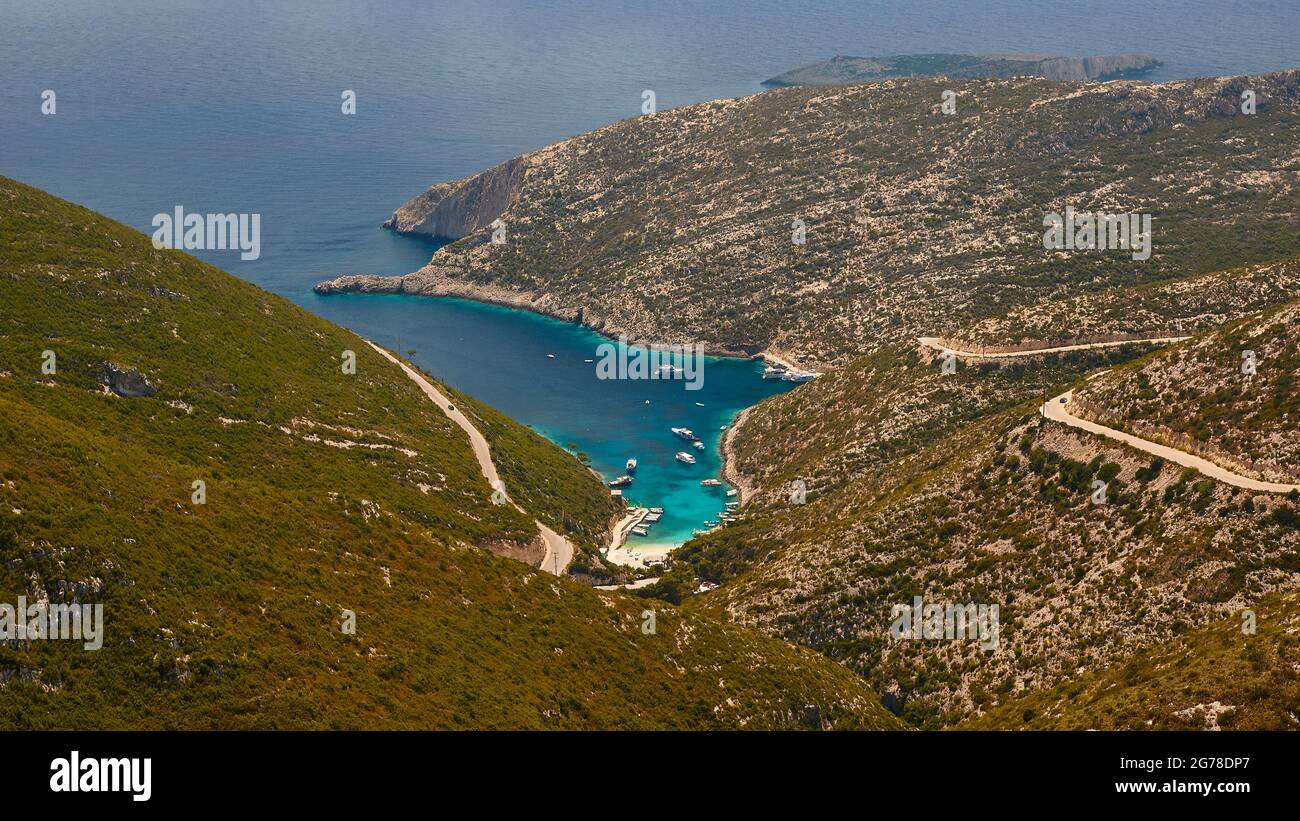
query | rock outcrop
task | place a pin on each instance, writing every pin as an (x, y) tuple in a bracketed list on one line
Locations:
[(126, 382), (452, 210)]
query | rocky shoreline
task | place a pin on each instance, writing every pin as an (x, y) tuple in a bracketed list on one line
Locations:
[(437, 285), (730, 473)]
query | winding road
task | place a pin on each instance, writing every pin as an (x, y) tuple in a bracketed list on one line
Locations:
[(1058, 410), (935, 343), (559, 550)]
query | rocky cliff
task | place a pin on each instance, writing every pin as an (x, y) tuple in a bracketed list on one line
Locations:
[(452, 210)]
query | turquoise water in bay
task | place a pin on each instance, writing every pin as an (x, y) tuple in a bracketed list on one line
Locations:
[(503, 354), (235, 107)]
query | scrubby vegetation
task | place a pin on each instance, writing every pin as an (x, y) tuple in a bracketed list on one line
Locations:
[(679, 225), (324, 492), (1201, 389), (1236, 673)]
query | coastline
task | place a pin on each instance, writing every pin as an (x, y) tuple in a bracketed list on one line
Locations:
[(730, 473), (537, 302), (618, 534)]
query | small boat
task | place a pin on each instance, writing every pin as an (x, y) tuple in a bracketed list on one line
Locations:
[(698, 445), (640, 531), (699, 404), (652, 517), (710, 482), (647, 401), (683, 456), (550, 356), (588, 360), (732, 492), (685, 433), (622, 481), (732, 505), (631, 466), (659, 510)]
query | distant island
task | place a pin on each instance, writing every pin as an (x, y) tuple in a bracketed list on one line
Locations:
[(842, 70)]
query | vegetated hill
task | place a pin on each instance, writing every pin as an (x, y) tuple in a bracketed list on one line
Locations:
[(1216, 677), (325, 492), (960, 492), (678, 226), (1199, 389), (841, 69), (551, 484), (1179, 307)]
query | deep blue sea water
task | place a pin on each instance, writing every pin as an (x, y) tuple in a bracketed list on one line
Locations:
[(234, 106)]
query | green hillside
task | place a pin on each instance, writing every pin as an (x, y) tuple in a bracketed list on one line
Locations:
[(1215, 677), (1201, 390), (955, 489), (324, 492)]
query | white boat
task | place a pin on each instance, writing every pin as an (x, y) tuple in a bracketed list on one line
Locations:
[(631, 465), (683, 456), (656, 510), (773, 372), (550, 356), (622, 481), (698, 445), (732, 492), (710, 482), (640, 531), (685, 433), (699, 404)]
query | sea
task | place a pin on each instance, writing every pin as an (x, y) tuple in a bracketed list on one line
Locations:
[(237, 106)]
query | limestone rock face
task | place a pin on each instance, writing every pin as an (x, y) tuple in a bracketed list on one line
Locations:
[(452, 210), (126, 382)]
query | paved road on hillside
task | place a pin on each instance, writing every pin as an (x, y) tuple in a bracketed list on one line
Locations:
[(933, 342), (559, 551), (1058, 411)]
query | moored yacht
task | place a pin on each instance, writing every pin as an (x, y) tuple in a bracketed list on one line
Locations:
[(631, 466), (683, 456), (622, 481), (685, 433)]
